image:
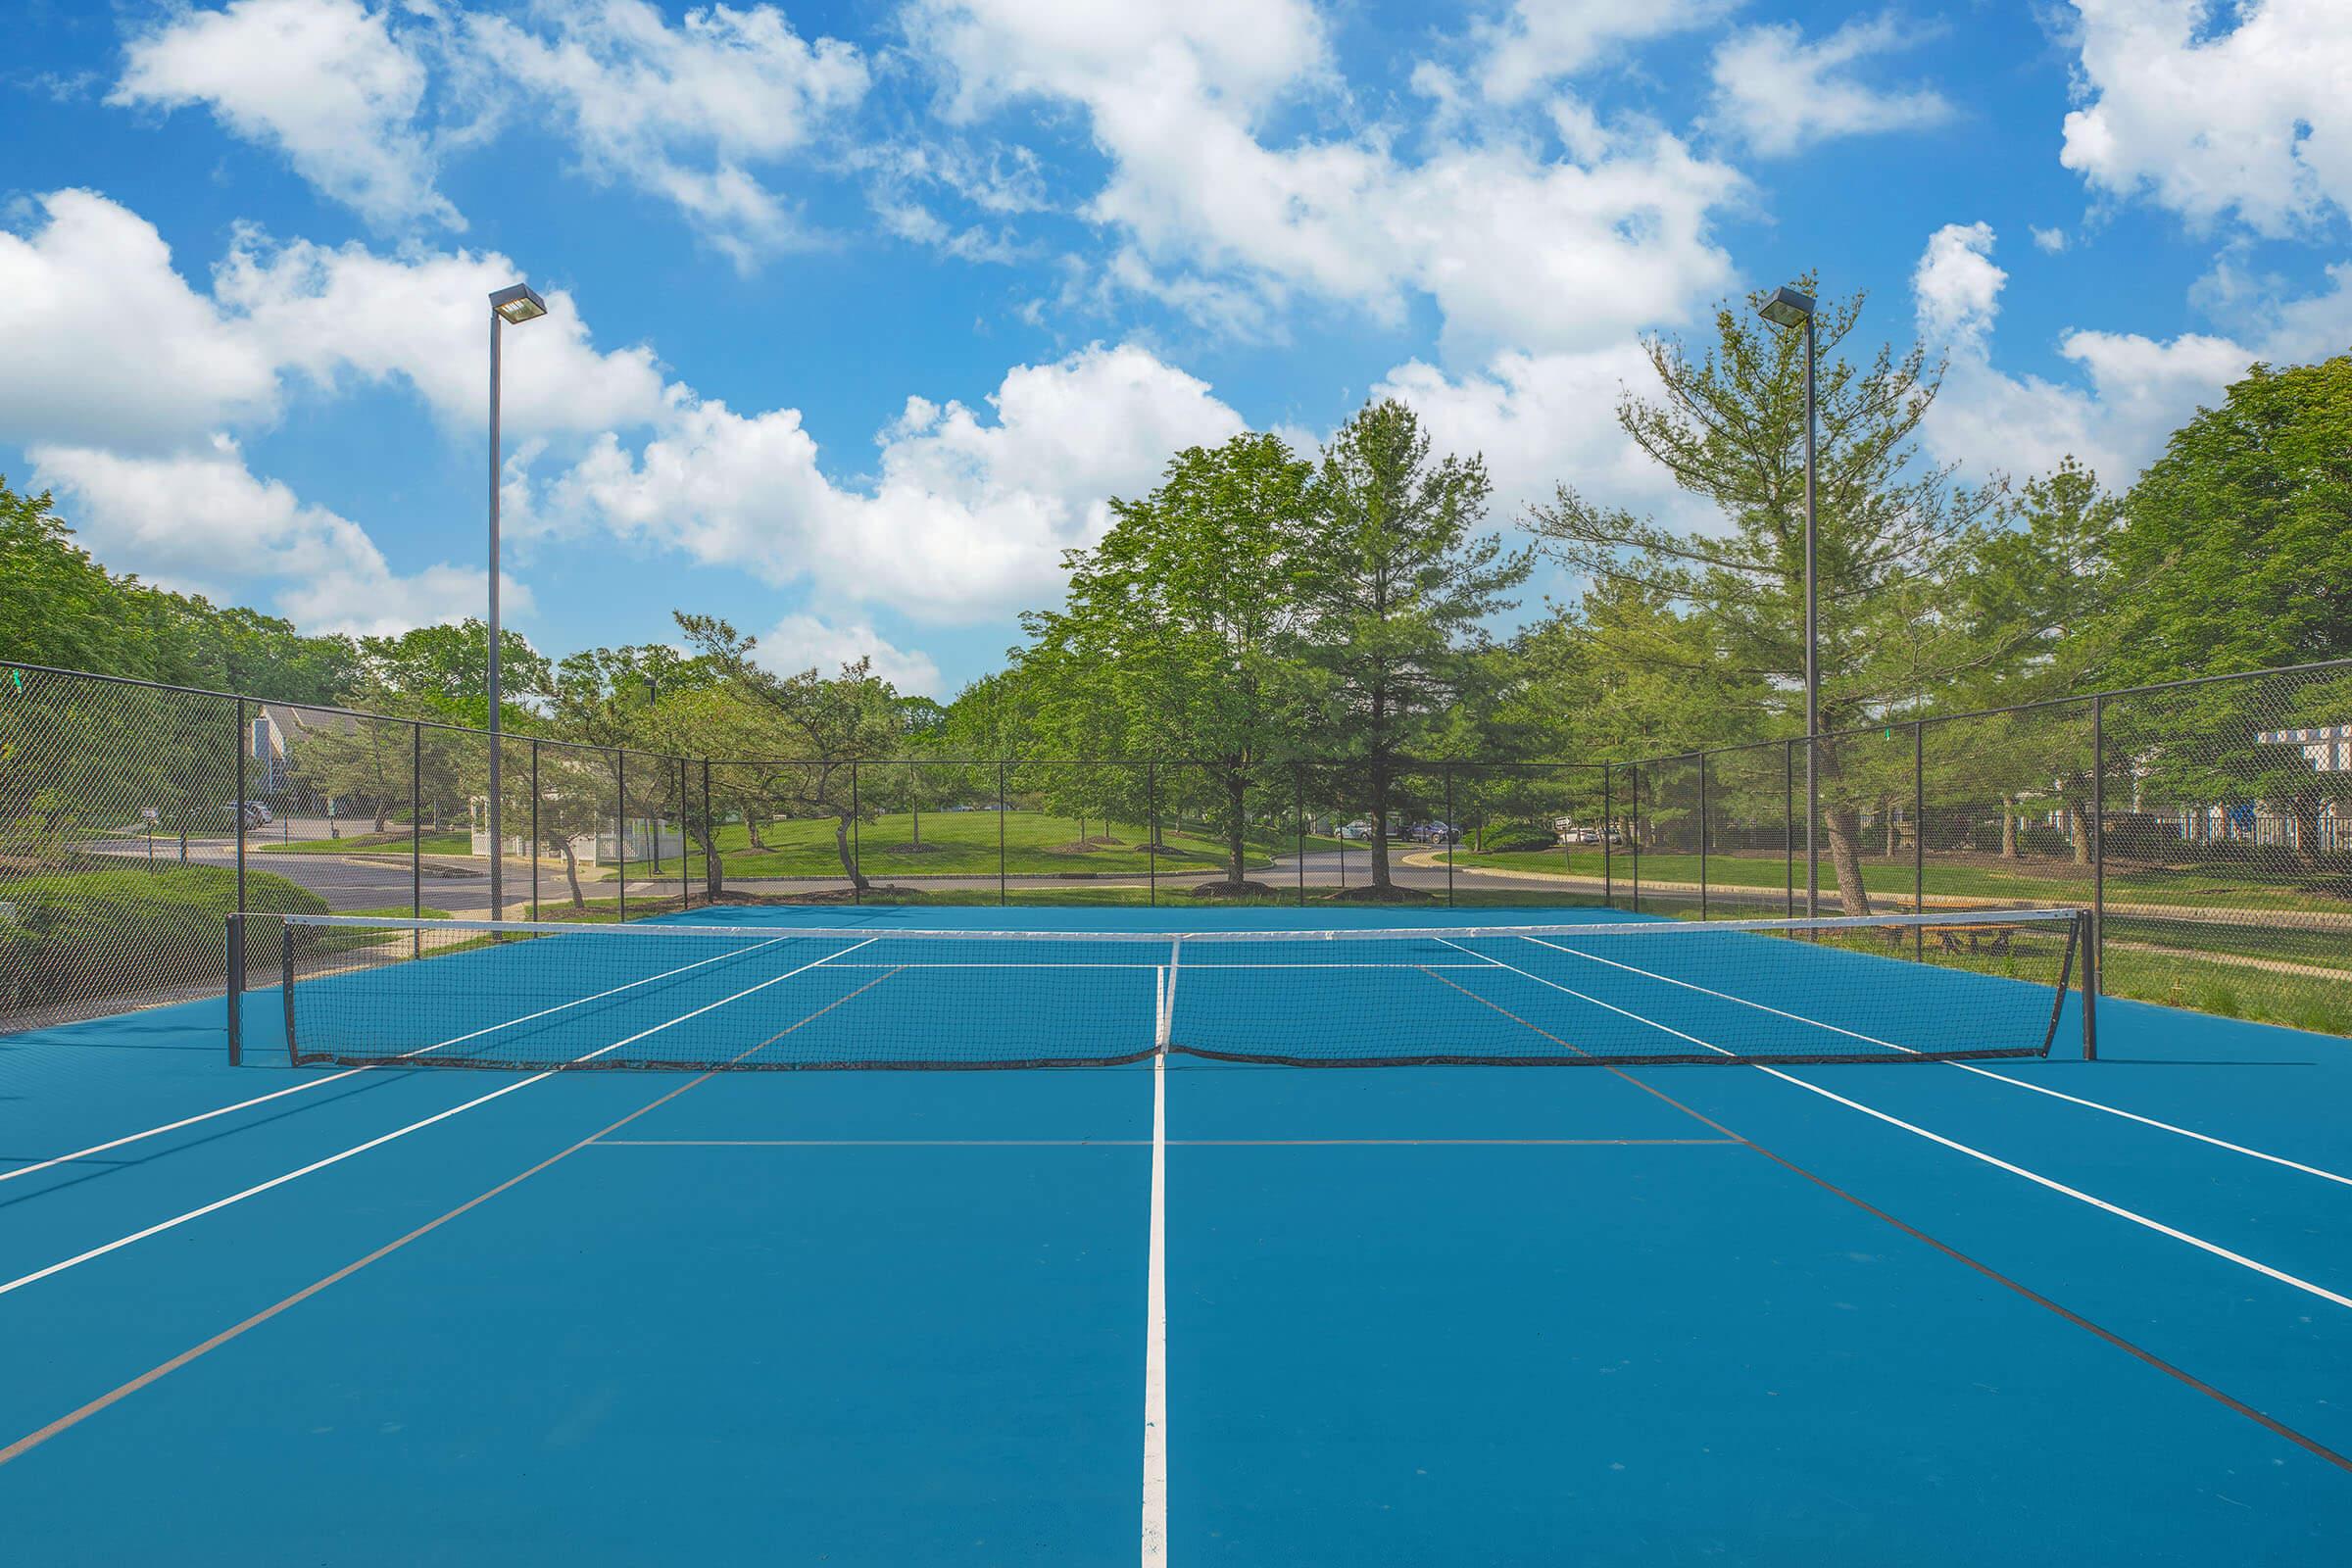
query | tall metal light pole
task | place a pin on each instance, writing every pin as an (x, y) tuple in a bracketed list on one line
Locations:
[(509, 306), (1789, 308)]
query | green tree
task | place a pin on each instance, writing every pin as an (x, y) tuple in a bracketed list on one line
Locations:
[(1896, 539), (1178, 638), (448, 666), (1391, 589), (833, 724), (2239, 538)]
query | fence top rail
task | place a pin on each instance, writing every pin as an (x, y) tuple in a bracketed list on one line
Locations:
[(1658, 930), (1407, 764)]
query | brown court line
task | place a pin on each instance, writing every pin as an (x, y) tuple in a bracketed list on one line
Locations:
[(73, 1418), (1170, 1143), (2182, 1375)]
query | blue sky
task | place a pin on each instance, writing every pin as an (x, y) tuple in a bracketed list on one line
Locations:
[(862, 311)]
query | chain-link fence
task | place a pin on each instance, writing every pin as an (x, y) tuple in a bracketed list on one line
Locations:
[(2207, 823)]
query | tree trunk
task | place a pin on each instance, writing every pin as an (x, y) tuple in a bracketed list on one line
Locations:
[(2303, 810), (2078, 827), (1235, 844), (750, 824), (381, 816), (572, 873), (917, 807), (1844, 828), (2008, 827), (1890, 842), (1380, 828), (841, 847)]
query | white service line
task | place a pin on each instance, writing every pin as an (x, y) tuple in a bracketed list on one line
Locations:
[(314, 1083), (1964, 1066), (1155, 1333), (378, 1142), (1994, 1161)]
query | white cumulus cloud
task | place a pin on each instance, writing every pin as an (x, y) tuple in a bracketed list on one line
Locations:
[(1516, 248), (325, 81), (1538, 41), (968, 516), (2215, 110), (2134, 390), (801, 642), (1781, 93), (686, 112), (106, 342), (200, 521)]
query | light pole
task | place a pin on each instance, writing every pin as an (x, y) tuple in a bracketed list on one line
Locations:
[(1789, 308), (509, 306)]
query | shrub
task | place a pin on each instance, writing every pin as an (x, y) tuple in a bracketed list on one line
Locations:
[(124, 932)]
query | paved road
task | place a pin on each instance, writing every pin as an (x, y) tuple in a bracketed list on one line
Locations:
[(345, 882)]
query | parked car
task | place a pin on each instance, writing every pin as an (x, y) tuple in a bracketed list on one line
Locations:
[(253, 814), (1359, 830)]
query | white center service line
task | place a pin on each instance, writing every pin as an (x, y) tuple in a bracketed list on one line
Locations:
[(1994, 1161), (378, 1142), (1156, 1333), (1964, 1066)]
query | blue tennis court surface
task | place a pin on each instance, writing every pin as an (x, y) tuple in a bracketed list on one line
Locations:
[(1177, 1308)]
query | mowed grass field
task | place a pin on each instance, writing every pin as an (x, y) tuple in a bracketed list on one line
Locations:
[(1975, 876), (966, 844)]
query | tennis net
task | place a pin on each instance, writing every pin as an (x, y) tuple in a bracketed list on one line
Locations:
[(359, 991)]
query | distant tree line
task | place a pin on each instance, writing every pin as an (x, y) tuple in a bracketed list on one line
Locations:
[(1262, 607)]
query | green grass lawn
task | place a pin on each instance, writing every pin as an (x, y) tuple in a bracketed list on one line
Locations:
[(963, 844), (2238, 887)]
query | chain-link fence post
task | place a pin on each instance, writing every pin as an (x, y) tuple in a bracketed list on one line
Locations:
[(238, 809), (2097, 958), (1608, 830)]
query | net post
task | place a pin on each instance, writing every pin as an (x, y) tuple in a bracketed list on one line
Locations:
[(234, 997), (285, 988), (1165, 1030), (2085, 937)]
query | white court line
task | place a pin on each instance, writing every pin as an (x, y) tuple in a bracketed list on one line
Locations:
[(1994, 1161), (314, 1083), (1155, 1333), (1997, 1077), (218, 1203)]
